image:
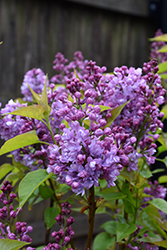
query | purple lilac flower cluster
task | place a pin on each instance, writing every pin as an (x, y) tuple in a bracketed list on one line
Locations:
[(155, 191), (141, 115), (65, 70), (11, 126), (7, 213), (83, 155), (155, 46), (87, 148), (35, 78)]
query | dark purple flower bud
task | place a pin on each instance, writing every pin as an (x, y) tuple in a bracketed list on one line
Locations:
[(124, 160), (88, 93), (40, 161), (156, 136), (78, 95), (102, 122), (11, 236), (89, 101), (81, 158), (75, 185), (107, 131), (97, 109), (29, 229), (133, 140), (99, 132), (26, 238), (13, 214), (80, 114), (67, 239), (62, 126)]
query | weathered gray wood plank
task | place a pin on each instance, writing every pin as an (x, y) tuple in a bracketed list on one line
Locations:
[(134, 7)]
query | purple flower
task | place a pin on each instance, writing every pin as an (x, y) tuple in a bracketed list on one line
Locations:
[(35, 78)]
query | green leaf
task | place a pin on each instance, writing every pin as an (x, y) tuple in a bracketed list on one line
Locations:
[(14, 176), (162, 67), (33, 111), (146, 173), (62, 188), (148, 240), (103, 241), (7, 244), (113, 196), (19, 166), (164, 110), (35, 95), (19, 141), (87, 122), (42, 100), (163, 49), (162, 179), (5, 169), (49, 215), (161, 223), (159, 204), (109, 227), (165, 160), (121, 219), (30, 183), (40, 248), (124, 230), (129, 176), (76, 75), (161, 149), (161, 139), (147, 220), (163, 76), (129, 202), (161, 38), (158, 170), (1, 42), (114, 113), (162, 243), (104, 108), (46, 192)]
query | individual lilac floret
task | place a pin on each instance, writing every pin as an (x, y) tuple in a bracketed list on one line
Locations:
[(35, 78)]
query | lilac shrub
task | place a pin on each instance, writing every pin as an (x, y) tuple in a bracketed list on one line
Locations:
[(97, 132)]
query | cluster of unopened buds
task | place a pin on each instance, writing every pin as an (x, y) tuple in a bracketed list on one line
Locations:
[(63, 236), (7, 213)]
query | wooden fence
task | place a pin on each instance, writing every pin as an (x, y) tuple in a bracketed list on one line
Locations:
[(111, 32), (34, 31)]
